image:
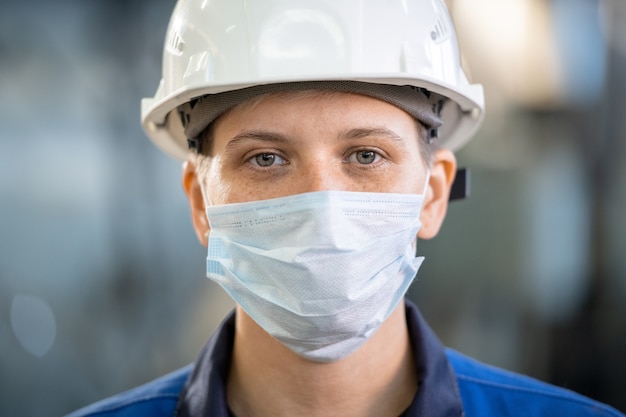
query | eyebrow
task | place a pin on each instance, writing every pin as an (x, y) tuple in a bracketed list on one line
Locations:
[(350, 134), (382, 132), (260, 135)]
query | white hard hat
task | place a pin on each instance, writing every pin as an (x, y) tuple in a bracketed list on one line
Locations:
[(216, 46)]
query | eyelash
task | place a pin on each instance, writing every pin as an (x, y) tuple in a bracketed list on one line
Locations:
[(355, 154), (380, 158), (254, 161), (351, 154)]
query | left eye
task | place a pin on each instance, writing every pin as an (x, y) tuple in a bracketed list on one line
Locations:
[(267, 159), (364, 157)]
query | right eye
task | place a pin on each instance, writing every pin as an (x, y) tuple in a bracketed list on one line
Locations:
[(267, 159), (364, 157)]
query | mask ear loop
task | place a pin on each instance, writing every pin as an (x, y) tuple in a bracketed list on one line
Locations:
[(426, 183), (423, 199), (207, 203)]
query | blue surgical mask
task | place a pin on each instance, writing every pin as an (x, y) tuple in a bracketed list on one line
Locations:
[(318, 271)]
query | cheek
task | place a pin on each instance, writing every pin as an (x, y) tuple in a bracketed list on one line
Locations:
[(217, 194), (215, 188), (406, 182), (409, 174), (222, 186), (245, 191)]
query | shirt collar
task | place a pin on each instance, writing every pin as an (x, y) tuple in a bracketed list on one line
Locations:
[(204, 393), (438, 394)]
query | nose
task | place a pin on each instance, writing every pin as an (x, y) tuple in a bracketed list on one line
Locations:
[(319, 176)]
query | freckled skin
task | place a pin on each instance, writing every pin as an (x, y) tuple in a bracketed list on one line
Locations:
[(317, 155)]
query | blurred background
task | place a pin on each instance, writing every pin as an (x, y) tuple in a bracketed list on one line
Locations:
[(102, 280)]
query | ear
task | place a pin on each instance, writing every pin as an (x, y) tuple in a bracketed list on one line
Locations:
[(193, 190), (436, 201)]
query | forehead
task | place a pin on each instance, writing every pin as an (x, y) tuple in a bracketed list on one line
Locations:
[(290, 96), (336, 106)]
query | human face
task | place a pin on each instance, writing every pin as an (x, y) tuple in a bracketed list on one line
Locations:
[(293, 143)]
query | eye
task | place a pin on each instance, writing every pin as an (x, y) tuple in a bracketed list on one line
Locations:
[(364, 157), (267, 160)]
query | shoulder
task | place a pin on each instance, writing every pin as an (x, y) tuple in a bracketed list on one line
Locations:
[(156, 398), (487, 390)]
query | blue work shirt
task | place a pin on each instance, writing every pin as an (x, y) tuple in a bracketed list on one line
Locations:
[(450, 384)]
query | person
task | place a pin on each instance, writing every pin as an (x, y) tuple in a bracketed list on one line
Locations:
[(318, 140)]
